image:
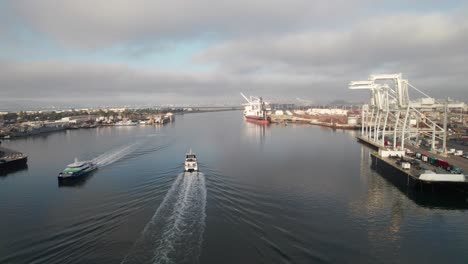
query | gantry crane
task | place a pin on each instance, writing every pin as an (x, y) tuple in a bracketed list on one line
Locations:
[(391, 113)]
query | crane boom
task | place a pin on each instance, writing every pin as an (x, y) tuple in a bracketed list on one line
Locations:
[(245, 97)]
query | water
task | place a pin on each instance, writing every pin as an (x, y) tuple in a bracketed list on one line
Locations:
[(174, 234), (114, 155), (281, 194)]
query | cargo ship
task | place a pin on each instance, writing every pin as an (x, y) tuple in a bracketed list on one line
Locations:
[(255, 110), (10, 160)]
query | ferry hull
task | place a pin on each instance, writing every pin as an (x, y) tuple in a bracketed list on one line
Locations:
[(66, 176)]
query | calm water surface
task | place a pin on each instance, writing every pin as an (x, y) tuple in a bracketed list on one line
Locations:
[(280, 194)]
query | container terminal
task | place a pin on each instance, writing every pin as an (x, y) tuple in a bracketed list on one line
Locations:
[(409, 136)]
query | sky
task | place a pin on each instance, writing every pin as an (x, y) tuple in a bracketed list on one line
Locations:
[(204, 52)]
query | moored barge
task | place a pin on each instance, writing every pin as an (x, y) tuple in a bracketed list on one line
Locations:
[(10, 159)]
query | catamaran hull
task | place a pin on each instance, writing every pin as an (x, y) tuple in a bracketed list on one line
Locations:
[(67, 176)]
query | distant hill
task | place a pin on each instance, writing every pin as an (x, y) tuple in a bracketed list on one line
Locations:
[(343, 102)]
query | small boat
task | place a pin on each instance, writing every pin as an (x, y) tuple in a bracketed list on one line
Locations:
[(191, 164), (77, 169)]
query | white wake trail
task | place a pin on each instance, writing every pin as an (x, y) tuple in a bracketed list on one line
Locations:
[(175, 233), (114, 155)]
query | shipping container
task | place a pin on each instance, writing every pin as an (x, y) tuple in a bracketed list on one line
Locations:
[(443, 164), (433, 160)]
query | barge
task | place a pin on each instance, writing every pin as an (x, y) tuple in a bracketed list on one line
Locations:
[(11, 160)]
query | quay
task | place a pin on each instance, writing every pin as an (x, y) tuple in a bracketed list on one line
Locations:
[(419, 174), (422, 176), (369, 142), (454, 160), (282, 119)]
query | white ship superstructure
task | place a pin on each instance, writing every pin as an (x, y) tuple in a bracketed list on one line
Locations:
[(191, 163)]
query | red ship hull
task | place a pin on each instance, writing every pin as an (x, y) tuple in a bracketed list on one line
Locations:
[(257, 120)]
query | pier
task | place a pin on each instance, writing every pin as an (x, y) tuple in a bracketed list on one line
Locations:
[(374, 145), (426, 175), (282, 119)]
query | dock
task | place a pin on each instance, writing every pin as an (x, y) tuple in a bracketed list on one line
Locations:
[(421, 177), (302, 120), (369, 143), (454, 160)]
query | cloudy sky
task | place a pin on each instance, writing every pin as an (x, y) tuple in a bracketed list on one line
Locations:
[(207, 51)]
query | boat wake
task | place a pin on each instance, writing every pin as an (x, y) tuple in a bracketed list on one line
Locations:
[(175, 233), (114, 155)]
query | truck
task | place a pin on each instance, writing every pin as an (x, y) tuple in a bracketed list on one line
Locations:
[(455, 170)]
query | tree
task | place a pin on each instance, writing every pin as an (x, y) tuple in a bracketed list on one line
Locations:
[(11, 116)]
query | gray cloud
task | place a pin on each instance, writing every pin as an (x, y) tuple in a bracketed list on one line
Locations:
[(279, 49), (100, 23), (66, 82), (429, 49)]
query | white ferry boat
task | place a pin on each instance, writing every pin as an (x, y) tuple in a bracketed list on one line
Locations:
[(191, 163), (77, 169)]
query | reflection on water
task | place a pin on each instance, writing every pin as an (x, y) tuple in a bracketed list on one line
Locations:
[(255, 132), (275, 194), (174, 234), (6, 171), (394, 213)]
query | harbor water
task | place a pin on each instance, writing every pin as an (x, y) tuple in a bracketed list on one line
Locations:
[(264, 194)]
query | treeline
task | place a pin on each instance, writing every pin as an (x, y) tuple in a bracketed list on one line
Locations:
[(53, 115), (23, 116)]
